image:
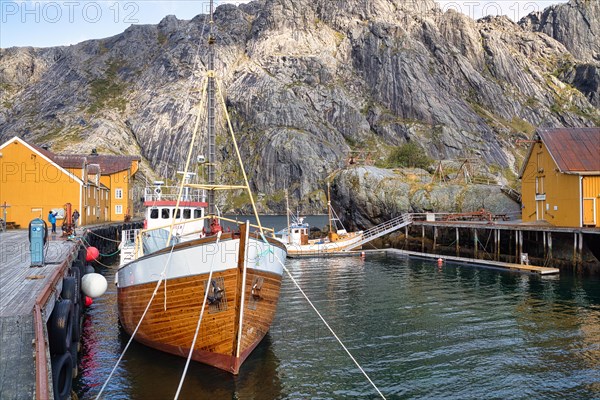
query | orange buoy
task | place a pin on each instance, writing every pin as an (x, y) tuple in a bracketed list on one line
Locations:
[(91, 254), (440, 262), (88, 301), (362, 254)]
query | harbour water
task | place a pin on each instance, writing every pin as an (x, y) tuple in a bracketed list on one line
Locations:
[(419, 331)]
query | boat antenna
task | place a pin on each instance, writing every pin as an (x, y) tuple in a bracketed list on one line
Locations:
[(211, 113)]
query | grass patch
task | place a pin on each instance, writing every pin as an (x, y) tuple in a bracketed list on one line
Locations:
[(108, 92)]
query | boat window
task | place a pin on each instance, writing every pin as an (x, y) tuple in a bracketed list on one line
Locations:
[(165, 213), (197, 213), (154, 213), (178, 213), (187, 213)]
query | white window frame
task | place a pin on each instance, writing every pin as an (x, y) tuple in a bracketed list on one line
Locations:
[(118, 193), (119, 209)]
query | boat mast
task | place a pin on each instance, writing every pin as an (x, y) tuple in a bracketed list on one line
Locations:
[(287, 213), (211, 114), (329, 208)]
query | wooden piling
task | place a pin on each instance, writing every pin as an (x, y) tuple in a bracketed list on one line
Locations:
[(457, 243)]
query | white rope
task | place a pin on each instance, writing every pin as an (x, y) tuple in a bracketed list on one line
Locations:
[(162, 276), (187, 363), (329, 327)]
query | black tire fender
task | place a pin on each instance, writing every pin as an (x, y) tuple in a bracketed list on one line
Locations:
[(62, 375), (60, 327), (69, 289)]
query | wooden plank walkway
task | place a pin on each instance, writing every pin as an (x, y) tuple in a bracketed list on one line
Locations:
[(21, 287)]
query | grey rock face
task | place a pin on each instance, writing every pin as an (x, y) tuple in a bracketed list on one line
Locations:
[(370, 196), (574, 24), (306, 82)]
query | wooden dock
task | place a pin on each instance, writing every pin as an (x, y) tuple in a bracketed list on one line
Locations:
[(27, 298)]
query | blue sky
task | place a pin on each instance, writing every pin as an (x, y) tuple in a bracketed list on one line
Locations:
[(44, 23)]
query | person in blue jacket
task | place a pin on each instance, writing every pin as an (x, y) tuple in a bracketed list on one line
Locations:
[(52, 220)]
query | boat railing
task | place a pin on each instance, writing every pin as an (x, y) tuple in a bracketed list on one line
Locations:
[(171, 193)]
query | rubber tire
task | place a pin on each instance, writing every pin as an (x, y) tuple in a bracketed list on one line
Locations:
[(60, 327), (69, 289), (62, 375), (76, 273), (74, 358), (76, 336)]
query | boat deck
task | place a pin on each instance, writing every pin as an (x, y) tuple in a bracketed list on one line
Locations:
[(22, 288)]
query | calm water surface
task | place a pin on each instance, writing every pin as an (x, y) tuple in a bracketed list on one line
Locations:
[(458, 332)]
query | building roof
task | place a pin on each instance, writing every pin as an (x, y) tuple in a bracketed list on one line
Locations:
[(574, 150), (111, 164)]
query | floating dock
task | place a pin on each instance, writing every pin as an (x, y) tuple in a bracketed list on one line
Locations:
[(27, 299), (484, 263)]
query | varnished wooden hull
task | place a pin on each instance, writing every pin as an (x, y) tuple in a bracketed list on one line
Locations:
[(172, 329)]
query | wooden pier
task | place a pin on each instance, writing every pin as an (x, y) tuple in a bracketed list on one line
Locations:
[(507, 241), (27, 298)]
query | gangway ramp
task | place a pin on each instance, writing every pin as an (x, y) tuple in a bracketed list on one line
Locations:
[(382, 229)]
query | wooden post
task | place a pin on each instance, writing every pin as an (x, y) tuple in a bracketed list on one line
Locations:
[(549, 246), (517, 247), (520, 247), (509, 245), (475, 242), (497, 243), (575, 249), (580, 248), (406, 237), (545, 248), (435, 233), (422, 238), (457, 243)]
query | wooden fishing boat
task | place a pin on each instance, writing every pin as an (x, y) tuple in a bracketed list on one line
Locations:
[(186, 287)]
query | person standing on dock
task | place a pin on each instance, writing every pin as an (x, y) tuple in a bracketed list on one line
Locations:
[(52, 220), (75, 218)]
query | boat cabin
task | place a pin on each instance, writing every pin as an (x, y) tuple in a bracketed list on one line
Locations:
[(160, 202)]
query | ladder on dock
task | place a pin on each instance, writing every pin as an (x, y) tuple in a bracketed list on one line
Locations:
[(382, 229)]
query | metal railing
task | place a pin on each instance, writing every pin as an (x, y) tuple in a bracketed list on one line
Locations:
[(171, 193), (383, 229)]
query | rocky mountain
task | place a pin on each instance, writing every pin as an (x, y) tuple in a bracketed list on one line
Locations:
[(307, 82)]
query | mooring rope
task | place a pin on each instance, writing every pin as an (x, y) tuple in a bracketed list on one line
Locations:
[(158, 283), (208, 282), (329, 327)]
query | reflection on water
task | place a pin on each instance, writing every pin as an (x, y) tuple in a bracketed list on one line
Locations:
[(419, 331)]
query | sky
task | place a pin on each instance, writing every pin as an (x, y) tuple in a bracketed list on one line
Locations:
[(45, 23)]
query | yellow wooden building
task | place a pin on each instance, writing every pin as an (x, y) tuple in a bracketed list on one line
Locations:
[(33, 181), (560, 178)]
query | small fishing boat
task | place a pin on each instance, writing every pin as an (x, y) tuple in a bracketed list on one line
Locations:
[(184, 285), (296, 236)]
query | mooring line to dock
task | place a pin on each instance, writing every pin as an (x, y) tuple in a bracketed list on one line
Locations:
[(329, 327), (158, 283), (189, 357)]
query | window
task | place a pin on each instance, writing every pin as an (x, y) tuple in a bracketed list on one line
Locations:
[(178, 213), (118, 193), (119, 209), (187, 213), (197, 213), (154, 213), (165, 213)]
